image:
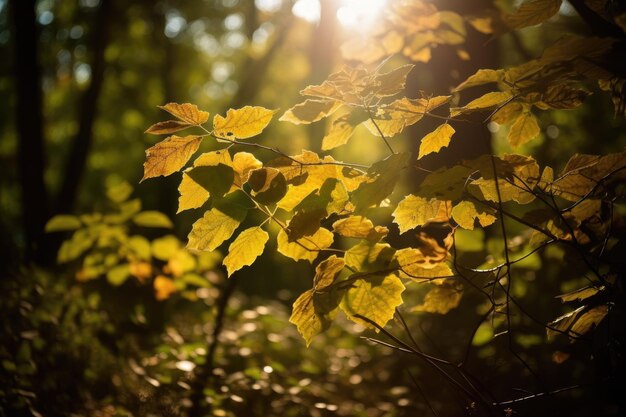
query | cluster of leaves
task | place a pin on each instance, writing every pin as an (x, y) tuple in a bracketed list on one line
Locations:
[(322, 205), (105, 246)]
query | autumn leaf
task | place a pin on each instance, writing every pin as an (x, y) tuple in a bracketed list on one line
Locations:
[(310, 111), (163, 287), (186, 112), (481, 77), (486, 101), (268, 185), (242, 123), (152, 218), (359, 227), (217, 225), (524, 129), (243, 164), (245, 249), (440, 299), (435, 140), (339, 134), (532, 13), (374, 297), (307, 247), (62, 223), (167, 127), (416, 211), (465, 214), (170, 155)]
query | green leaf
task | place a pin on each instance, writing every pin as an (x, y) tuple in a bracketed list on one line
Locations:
[(374, 297), (151, 218), (216, 226), (118, 274), (242, 123), (248, 246), (435, 140), (62, 223), (416, 211)]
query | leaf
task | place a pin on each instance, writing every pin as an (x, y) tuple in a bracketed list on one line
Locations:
[(118, 274), (435, 140), (392, 82), (524, 129), (165, 247), (481, 77), (170, 155), (532, 13), (243, 164), (486, 101), (580, 294), (369, 256), (169, 126), (418, 266), (507, 113), (374, 297), (327, 271), (242, 123), (307, 248), (563, 96), (201, 182), (359, 227), (217, 225), (416, 211), (188, 113), (394, 117), (440, 299), (313, 313), (248, 246), (310, 111), (578, 322), (268, 185), (382, 178), (151, 218), (465, 215), (339, 134), (62, 223), (163, 287)]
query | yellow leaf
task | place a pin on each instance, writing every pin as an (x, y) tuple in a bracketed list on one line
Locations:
[(182, 261), (415, 264), (481, 77), (435, 140), (339, 134), (188, 113), (392, 82), (211, 175), (440, 299), (313, 313), (532, 13), (242, 123), (245, 249), (465, 213), (243, 164), (163, 287), (369, 256), (359, 227), (327, 271), (374, 297), (507, 113), (152, 218), (268, 185), (307, 247), (416, 211), (62, 222), (489, 100), (169, 156), (524, 129), (217, 225), (310, 111), (169, 126)]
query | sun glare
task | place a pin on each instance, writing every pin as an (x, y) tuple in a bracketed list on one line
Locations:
[(351, 14)]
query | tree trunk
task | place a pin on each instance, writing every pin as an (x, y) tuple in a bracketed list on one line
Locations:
[(29, 124)]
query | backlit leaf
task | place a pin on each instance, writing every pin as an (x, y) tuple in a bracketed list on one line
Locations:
[(163, 287), (243, 164), (435, 140), (217, 225), (419, 266), (188, 113), (245, 249), (62, 222), (339, 134), (268, 185), (310, 111), (487, 101), (242, 123), (524, 129), (369, 256), (440, 299), (465, 214), (167, 127), (481, 77), (170, 155), (313, 313), (307, 248), (152, 218), (374, 297), (392, 82), (416, 211), (359, 227), (532, 13)]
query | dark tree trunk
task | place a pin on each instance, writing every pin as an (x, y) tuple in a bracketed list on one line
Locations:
[(29, 124), (81, 145)]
